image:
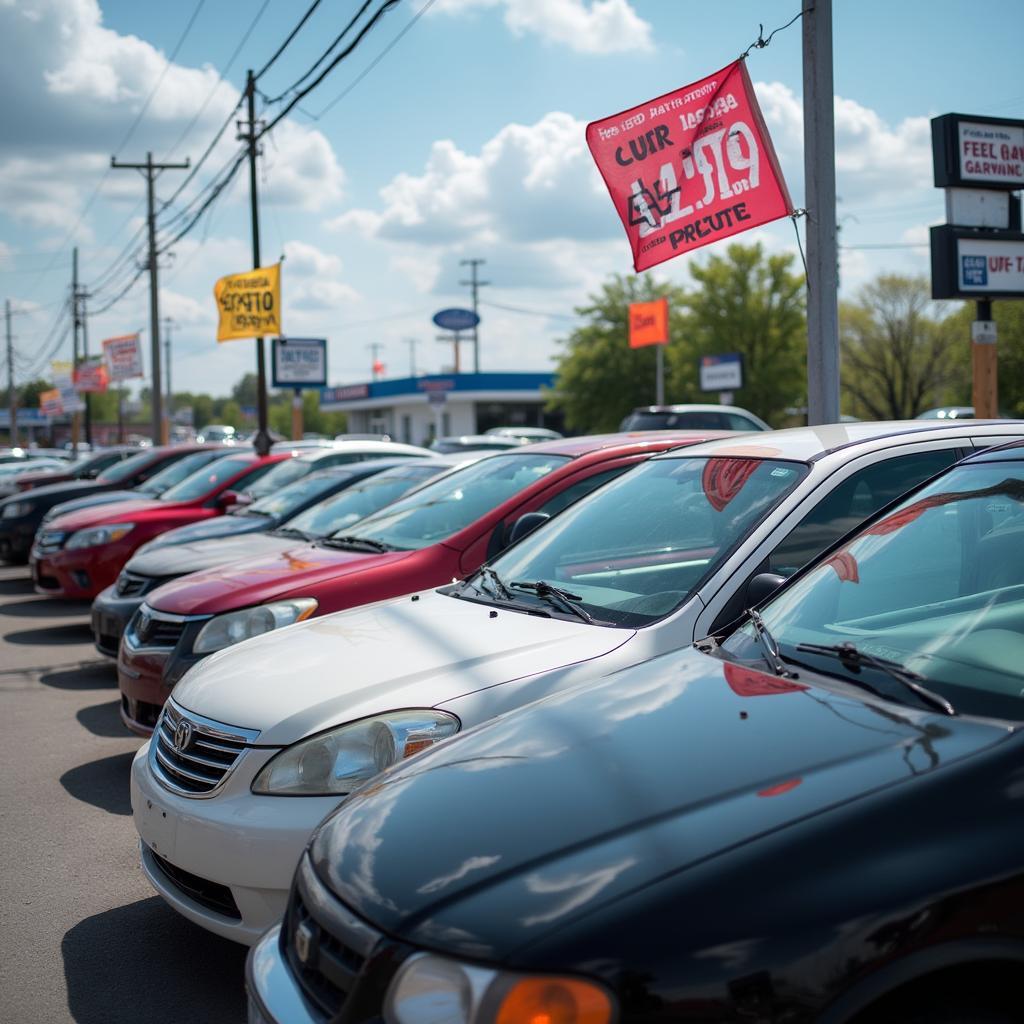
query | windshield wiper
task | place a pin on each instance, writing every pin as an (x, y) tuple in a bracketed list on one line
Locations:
[(853, 658), (552, 594), (292, 531), (358, 543), (500, 588), (768, 644)]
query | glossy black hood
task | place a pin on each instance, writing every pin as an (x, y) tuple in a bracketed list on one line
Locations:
[(65, 490), (526, 825)]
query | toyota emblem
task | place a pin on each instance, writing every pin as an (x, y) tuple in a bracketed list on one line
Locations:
[(183, 736)]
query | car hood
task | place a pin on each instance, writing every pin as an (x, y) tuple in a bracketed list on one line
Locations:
[(239, 585), (91, 500), (69, 490), (574, 801), (394, 654), (221, 526), (178, 559), (108, 512)]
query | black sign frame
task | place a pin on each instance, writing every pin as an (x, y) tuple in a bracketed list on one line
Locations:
[(945, 276), (946, 151)]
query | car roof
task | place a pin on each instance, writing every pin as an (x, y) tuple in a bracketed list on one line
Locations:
[(809, 444), (694, 407), (392, 448), (577, 446), (364, 467)]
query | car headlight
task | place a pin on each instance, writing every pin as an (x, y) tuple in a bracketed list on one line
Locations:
[(17, 509), (342, 759), (97, 535), (233, 628), (431, 989)]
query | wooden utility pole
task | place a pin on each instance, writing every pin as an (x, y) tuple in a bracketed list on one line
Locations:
[(150, 171), (12, 395), (76, 419), (475, 285), (984, 363), (820, 200)]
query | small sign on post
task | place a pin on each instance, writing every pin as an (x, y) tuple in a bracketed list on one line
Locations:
[(722, 373)]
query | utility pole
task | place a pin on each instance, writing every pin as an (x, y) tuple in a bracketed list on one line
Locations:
[(249, 135), (151, 170), (412, 343), (822, 252), (76, 422), (169, 409), (475, 285), (83, 316), (12, 395)]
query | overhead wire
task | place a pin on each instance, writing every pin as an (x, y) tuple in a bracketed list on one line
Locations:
[(291, 35)]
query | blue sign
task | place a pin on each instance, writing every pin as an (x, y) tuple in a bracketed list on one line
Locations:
[(975, 271), (456, 319)]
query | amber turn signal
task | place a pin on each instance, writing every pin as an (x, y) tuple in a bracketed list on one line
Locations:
[(554, 1001)]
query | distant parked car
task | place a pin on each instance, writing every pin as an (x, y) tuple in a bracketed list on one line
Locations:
[(218, 433), (949, 412), (13, 471), (815, 817), (524, 433), (474, 443), (692, 417)]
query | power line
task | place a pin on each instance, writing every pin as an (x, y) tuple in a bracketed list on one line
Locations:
[(528, 312), (383, 53), (291, 35)]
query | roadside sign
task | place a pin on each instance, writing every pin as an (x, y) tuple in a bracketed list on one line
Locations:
[(50, 403), (648, 323), (968, 264), (91, 375), (456, 319), (299, 363), (437, 397), (721, 372), (987, 152), (690, 167), (983, 332), (63, 382), (123, 356), (249, 304)]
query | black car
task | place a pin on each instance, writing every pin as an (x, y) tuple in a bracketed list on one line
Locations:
[(278, 519), (818, 816), (22, 514)]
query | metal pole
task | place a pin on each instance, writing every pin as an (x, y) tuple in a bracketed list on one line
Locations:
[(475, 285), (76, 420), (412, 342), (262, 440), (83, 295), (659, 376), (12, 395), (822, 251), (169, 411)]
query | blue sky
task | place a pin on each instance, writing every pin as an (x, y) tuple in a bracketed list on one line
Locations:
[(466, 140)]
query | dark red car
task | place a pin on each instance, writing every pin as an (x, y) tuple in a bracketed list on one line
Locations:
[(445, 529), (80, 553)]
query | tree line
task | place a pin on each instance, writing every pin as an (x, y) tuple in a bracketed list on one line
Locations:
[(901, 352)]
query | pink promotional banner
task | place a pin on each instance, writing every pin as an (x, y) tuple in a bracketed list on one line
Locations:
[(690, 167)]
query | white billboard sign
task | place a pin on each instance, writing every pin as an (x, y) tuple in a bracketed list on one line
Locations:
[(123, 356), (991, 154), (990, 265)]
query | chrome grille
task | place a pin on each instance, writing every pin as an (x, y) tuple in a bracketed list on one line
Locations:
[(325, 944), (130, 584), (150, 628), (192, 755)]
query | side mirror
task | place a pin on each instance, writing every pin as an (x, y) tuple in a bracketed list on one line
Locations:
[(228, 498), (525, 524), (762, 586)]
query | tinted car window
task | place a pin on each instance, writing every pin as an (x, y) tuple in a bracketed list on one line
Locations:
[(280, 475), (204, 480), (123, 470), (179, 470), (859, 496)]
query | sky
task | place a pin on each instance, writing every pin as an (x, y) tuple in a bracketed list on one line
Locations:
[(455, 130)]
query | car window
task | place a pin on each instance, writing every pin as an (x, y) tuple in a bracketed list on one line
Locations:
[(280, 475), (178, 471), (575, 491), (121, 471), (859, 496), (206, 479), (739, 422)]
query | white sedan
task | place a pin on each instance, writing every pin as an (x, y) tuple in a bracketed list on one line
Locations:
[(261, 741)]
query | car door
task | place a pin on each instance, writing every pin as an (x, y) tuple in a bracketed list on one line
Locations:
[(838, 504)]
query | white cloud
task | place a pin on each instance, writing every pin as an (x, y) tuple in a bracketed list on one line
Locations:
[(601, 26)]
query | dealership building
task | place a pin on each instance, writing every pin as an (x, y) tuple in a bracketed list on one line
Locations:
[(415, 410)]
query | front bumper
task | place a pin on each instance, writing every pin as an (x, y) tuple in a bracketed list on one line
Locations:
[(77, 575), (274, 997), (233, 846), (110, 617), (16, 536)]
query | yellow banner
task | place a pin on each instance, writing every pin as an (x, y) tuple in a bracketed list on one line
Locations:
[(249, 304)]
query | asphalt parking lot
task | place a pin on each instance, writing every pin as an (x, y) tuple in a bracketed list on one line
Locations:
[(84, 937)]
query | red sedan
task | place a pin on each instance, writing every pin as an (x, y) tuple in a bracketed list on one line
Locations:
[(80, 553), (447, 528)]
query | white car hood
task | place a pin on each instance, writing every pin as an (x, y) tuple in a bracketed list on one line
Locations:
[(407, 652)]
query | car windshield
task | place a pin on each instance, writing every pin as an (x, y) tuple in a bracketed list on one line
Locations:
[(206, 479), (340, 511), (446, 506), (121, 471), (284, 502), (935, 588), (281, 475), (178, 471), (692, 419), (639, 546)]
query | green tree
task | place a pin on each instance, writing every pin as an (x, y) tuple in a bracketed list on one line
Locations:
[(28, 393), (898, 359), (599, 377), (753, 304)]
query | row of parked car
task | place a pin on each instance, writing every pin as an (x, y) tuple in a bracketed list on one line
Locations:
[(482, 738)]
